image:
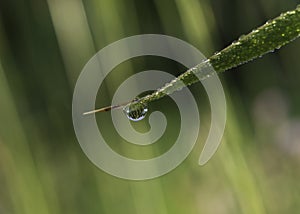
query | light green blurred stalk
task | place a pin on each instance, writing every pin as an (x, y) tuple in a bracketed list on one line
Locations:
[(25, 188)]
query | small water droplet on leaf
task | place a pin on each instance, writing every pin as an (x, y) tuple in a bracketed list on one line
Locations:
[(242, 37), (135, 111)]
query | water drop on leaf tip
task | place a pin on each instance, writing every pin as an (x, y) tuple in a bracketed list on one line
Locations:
[(135, 111)]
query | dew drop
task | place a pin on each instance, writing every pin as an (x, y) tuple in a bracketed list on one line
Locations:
[(135, 111), (236, 42), (242, 37)]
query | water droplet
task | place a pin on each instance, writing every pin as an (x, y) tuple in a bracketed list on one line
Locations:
[(291, 12), (135, 111), (236, 42), (242, 37)]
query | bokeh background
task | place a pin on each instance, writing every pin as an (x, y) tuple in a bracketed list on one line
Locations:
[(44, 44)]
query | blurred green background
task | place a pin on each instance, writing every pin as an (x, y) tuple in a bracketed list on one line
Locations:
[(44, 45)]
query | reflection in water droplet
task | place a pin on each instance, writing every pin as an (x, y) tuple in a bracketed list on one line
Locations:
[(135, 111)]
